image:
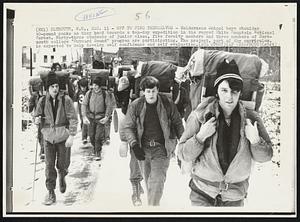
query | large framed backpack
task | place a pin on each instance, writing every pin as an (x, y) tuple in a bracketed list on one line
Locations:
[(103, 73), (163, 71), (122, 69), (65, 83), (35, 85), (204, 68)]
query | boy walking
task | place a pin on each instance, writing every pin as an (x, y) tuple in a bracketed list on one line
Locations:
[(97, 108), (151, 126), (56, 114), (79, 96)]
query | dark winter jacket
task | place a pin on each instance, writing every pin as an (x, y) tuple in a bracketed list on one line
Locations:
[(169, 118), (65, 122), (206, 171)]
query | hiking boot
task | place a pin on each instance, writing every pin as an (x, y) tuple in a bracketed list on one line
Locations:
[(135, 197), (140, 188), (42, 157), (98, 155), (62, 184), (50, 198), (136, 201)]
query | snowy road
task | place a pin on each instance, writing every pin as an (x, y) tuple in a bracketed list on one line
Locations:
[(103, 186)]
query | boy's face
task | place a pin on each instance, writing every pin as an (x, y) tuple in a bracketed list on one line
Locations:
[(96, 87), (151, 95), (57, 68), (228, 98), (53, 90), (83, 88)]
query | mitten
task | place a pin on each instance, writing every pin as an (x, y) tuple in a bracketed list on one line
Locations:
[(138, 152)]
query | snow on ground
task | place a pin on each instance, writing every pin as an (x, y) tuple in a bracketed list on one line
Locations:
[(103, 186)]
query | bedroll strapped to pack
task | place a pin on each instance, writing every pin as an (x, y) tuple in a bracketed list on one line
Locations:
[(103, 73), (163, 71), (35, 84)]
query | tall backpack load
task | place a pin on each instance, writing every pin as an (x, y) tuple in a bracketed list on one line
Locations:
[(103, 73), (35, 84), (111, 83), (163, 71), (204, 66), (64, 81), (122, 69)]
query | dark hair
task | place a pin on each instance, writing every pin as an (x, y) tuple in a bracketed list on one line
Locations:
[(149, 82), (83, 82), (53, 67), (234, 84)]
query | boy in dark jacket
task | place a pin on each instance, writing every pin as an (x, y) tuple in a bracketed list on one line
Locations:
[(152, 126), (56, 113)]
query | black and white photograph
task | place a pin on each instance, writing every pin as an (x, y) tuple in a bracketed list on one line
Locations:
[(117, 109)]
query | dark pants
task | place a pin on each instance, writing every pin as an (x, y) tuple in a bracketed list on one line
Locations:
[(41, 140), (97, 134), (135, 171), (60, 154), (156, 165), (84, 129), (107, 129), (200, 198)]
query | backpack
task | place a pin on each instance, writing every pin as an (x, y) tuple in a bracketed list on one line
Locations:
[(35, 84), (65, 83), (43, 107), (103, 73), (163, 71)]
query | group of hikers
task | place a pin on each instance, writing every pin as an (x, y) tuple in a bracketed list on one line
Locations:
[(219, 137)]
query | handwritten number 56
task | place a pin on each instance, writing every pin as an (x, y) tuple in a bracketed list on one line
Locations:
[(141, 15)]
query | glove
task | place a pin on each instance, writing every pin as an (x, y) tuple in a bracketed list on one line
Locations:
[(103, 120), (138, 152), (37, 120), (69, 141)]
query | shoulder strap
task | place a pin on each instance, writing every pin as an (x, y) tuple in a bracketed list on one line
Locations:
[(63, 103), (43, 105), (89, 97), (104, 97)]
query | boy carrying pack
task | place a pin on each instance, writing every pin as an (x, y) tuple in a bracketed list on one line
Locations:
[(97, 108)]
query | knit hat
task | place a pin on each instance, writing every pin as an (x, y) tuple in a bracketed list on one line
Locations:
[(123, 83), (227, 70), (52, 79)]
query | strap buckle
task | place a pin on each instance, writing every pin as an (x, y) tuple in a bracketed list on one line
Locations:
[(223, 186)]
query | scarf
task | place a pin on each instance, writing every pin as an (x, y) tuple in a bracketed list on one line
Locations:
[(228, 138)]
